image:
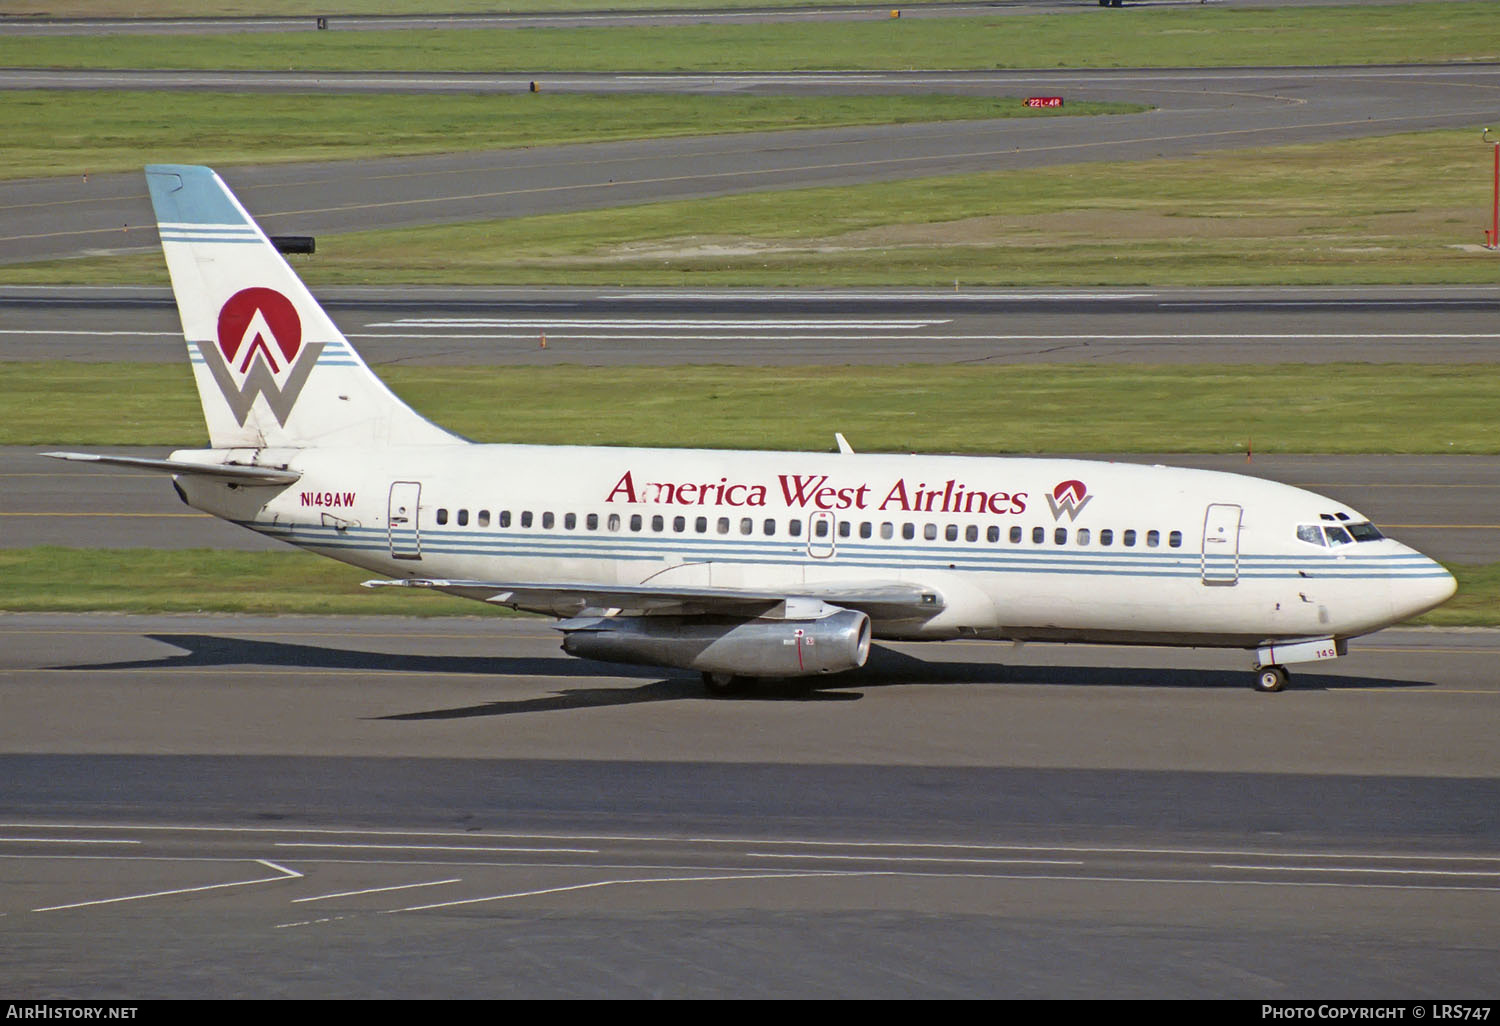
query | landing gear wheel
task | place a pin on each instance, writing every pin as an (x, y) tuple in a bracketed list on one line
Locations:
[(1271, 678), (722, 685)]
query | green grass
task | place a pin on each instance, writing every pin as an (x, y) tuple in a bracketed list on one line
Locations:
[(54, 579), (300, 8), (1197, 36), (1404, 209), (66, 132), (962, 408)]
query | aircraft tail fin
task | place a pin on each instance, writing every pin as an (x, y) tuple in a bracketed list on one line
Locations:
[(272, 369)]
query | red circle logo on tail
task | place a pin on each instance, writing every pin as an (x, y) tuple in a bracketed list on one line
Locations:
[(248, 317)]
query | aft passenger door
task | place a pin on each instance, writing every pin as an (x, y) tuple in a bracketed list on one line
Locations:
[(401, 520), (1221, 543)]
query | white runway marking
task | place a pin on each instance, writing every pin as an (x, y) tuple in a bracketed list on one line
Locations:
[(378, 890), (287, 874), (627, 323), (625, 882)]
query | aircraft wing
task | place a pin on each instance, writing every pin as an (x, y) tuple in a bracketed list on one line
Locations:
[(882, 601), (232, 471)]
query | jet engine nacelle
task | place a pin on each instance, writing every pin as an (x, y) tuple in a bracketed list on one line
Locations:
[(743, 648)]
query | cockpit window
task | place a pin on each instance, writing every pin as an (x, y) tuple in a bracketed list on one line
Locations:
[(1310, 533), (1365, 531), (1338, 536)]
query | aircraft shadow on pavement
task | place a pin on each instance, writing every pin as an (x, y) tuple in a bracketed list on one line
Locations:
[(886, 668)]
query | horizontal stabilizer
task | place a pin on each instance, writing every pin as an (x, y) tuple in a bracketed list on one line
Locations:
[(880, 601), (230, 471)]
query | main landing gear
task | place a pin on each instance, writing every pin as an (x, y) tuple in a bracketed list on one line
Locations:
[(1271, 678), (723, 685)]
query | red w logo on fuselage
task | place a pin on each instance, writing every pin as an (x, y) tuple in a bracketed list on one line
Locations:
[(1068, 497), (260, 352)]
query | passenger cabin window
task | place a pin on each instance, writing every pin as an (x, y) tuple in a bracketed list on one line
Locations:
[(679, 524), (908, 531), (570, 521), (635, 521), (993, 534), (700, 525), (591, 521), (658, 523), (463, 518), (1153, 539), (887, 530), (1106, 537), (747, 525), (1128, 538), (1174, 539), (768, 528), (794, 528), (930, 532), (526, 518), (866, 529), (1015, 535), (1060, 536), (505, 518), (1038, 535)]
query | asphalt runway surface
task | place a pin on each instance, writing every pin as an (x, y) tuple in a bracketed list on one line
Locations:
[(758, 327), (310, 807), (1196, 110)]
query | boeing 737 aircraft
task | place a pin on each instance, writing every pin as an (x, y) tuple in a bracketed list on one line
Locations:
[(740, 565)]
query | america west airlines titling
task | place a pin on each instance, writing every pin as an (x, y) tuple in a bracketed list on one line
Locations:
[(740, 565)]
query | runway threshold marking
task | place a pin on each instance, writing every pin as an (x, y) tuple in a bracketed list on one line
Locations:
[(287, 874)]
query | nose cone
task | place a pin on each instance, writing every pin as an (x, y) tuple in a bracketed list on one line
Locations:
[(1424, 589)]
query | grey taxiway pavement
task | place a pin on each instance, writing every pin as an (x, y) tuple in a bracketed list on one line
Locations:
[(390, 807), (1194, 110), (774, 328)]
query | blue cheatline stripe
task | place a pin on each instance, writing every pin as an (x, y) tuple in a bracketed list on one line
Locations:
[(787, 553), (230, 240), (334, 354)]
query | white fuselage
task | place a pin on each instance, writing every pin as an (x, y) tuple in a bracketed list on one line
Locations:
[(1018, 548)]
